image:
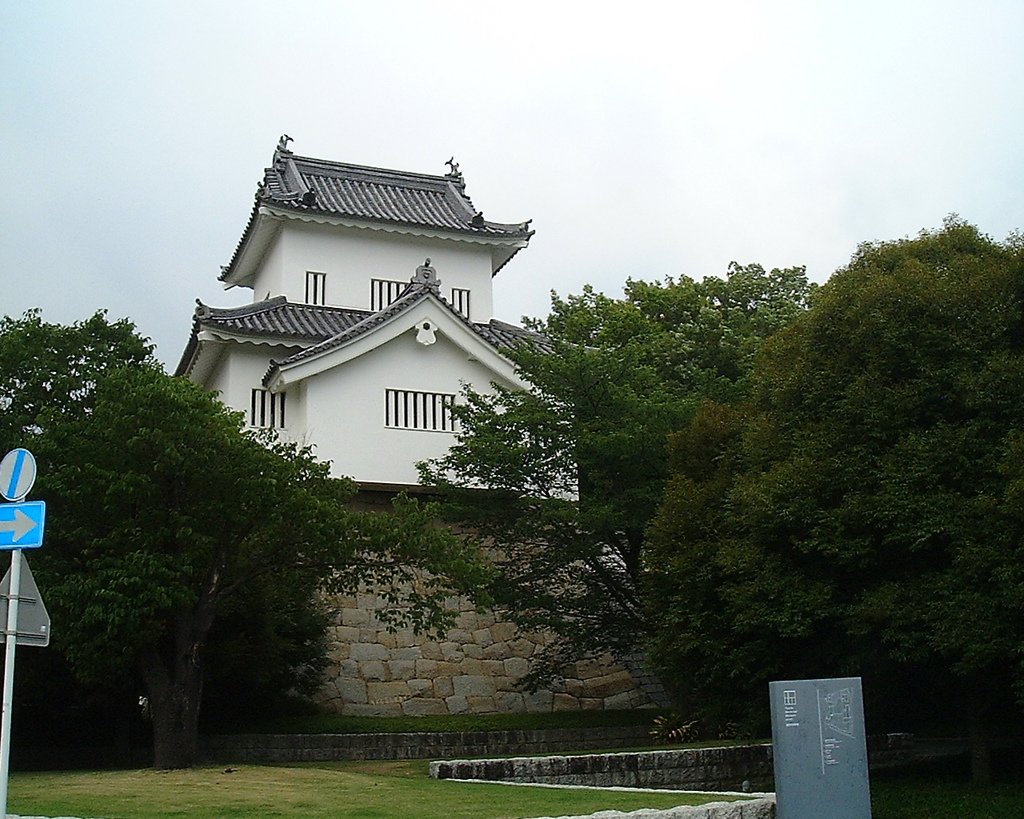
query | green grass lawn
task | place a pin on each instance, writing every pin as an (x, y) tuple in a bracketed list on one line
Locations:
[(344, 790), (942, 789), (945, 800), (403, 790)]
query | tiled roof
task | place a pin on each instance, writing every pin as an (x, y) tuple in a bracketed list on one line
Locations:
[(279, 319), (318, 186), (271, 320), (376, 194), (411, 296), (498, 334), (319, 328), (505, 336)]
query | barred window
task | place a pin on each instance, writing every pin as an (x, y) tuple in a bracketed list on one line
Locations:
[(460, 300), (266, 409), (409, 409), (383, 292), (316, 287)]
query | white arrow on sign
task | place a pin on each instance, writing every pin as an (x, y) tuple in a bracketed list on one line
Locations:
[(20, 526)]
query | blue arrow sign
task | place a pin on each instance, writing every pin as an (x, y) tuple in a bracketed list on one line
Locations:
[(21, 524)]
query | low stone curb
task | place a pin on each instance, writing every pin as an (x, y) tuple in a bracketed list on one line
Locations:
[(763, 808), (16, 816)]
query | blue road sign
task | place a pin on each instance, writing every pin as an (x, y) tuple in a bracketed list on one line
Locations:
[(21, 524), (17, 474)]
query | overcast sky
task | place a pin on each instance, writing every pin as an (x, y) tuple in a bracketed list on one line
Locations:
[(645, 140)]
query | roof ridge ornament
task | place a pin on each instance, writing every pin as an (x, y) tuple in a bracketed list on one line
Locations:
[(426, 276), (282, 143), (454, 173)]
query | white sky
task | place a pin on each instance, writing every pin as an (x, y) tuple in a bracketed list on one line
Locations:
[(644, 139)]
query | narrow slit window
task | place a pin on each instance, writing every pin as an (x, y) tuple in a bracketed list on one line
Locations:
[(427, 411), (460, 300), (383, 292), (316, 287), (266, 409)]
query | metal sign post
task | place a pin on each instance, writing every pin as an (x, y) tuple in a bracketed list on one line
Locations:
[(12, 644), (21, 527)]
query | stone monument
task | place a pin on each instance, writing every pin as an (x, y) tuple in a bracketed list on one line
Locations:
[(820, 749)]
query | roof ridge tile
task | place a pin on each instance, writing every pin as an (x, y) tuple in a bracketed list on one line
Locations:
[(363, 193)]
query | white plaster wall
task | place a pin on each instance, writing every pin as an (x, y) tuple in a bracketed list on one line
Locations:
[(351, 257), (296, 428), (345, 406), (217, 379), (242, 369), (269, 281)]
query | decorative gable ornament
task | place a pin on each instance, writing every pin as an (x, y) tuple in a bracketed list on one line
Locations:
[(425, 333)]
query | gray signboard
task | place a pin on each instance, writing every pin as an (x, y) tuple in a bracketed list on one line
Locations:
[(820, 749), (33, 619)]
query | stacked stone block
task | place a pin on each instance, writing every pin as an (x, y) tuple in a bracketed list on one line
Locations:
[(698, 769), (476, 668)]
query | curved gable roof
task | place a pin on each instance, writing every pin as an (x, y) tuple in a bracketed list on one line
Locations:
[(311, 188), (319, 329), (498, 336)]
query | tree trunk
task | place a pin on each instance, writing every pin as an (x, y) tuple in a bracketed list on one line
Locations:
[(979, 739), (174, 678), (174, 704), (126, 709)]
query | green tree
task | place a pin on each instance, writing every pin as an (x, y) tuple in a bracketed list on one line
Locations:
[(710, 332), (161, 509), (861, 513), (267, 653), (53, 368), (575, 464)]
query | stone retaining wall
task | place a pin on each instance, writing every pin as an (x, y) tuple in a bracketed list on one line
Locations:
[(475, 669), (731, 768), (697, 769), (241, 748), (891, 749)]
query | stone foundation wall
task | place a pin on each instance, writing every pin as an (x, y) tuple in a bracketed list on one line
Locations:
[(698, 769), (238, 748), (475, 669), (727, 768)]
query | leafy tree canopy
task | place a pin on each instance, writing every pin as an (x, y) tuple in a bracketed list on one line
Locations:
[(861, 512), (575, 464), (162, 510), (53, 368)]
